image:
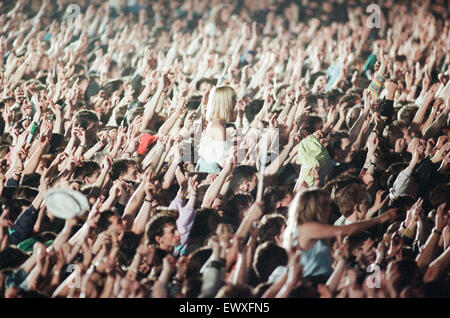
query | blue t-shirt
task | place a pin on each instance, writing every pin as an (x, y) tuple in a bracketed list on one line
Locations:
[(317, 260)]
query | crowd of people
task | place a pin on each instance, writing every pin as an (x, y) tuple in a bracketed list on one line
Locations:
[(228, 149)]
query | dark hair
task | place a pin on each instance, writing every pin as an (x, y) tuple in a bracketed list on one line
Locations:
[(26, 192), (268, 256), (392, 133), (197, 259), (211, 81), (31, 179), (253, 108), (310, 125), (314, 76), (272, 195), (156, 226), (440, 194), (313, 98), (192, 286), (15, 207), (334, 141), (349, 196), (120, 167), (104, 221), (334, 96), (85, 117), (128, 247), (134, 112), (270, 226), (350, 98), (205, 224), (87, 169), (402, 201), (408, 273), (358, 239), (4, 150), (12, 257), (240, 174), (193, 102), (235, 207)]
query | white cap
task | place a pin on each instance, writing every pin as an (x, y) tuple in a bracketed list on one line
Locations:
[(66, 203)]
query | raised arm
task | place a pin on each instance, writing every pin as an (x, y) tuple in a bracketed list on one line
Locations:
[(216, 186), (428, 252), (316, 231)]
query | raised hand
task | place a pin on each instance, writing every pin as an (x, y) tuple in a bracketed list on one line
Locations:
[(192, 186), (441, 217), (5, 222)]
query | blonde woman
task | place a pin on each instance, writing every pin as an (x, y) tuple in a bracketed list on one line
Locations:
[(213, 147), (308, 228)]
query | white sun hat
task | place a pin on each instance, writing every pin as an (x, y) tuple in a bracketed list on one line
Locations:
[(66, 203)]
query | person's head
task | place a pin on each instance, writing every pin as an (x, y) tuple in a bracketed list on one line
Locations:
[(311, 205), (88, 120), (276, 197), (313, 123), (197, 259), (221, 104), (271, 228), (253, 108), (31, 180), (392, 133), (402, 273), (125, 169), (363, 247), (351, 99), (87, 173), (205, 224), (268, 256), (44, 163), (334, 96), (128, 246), (16, 207), (403, 203), (12, 257), (235, 291), (243, 179), (339, 147), (439, 195), (353, 200), (237, 207), (318, 102), (318, 82), (407, 112), (407, 133), (110, 221), (134, 115), (162, 231), (83, 82)]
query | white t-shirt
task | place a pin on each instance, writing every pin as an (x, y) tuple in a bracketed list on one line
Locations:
[(213, 150)]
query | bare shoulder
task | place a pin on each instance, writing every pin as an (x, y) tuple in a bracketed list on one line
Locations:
[(216, 131)]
